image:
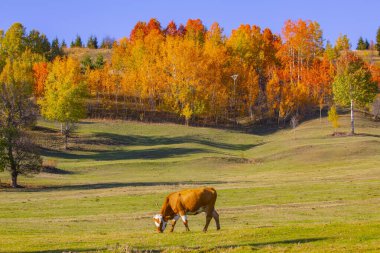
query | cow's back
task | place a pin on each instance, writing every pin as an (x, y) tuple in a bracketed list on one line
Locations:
[(193, 199)]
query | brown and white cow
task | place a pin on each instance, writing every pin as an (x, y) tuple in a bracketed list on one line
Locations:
[(187, 202)]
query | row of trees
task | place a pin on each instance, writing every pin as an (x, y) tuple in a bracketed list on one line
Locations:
[(16, 41), (187, 70), (365, 45), (92, 42)]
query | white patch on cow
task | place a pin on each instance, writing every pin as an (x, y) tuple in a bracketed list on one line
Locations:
[(184, 218), (176, 217), (159, 218)]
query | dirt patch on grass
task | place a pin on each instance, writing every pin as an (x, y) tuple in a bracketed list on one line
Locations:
[(341, 134), (5, 186), (232, 159)]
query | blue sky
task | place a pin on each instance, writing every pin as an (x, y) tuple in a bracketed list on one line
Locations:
[(116, 18)]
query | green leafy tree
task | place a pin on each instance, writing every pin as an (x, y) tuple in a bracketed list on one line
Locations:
[(14, 41), (353, 84), (18, 154), (65, 94)]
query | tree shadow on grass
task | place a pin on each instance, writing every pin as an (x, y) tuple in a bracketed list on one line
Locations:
[(66, 250), (254, 246), (368, 135), (292, 241), (140, 140), (107, 155), (111, 185), (259, 245)]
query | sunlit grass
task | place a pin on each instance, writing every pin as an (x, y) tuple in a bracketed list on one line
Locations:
[(311, 193)]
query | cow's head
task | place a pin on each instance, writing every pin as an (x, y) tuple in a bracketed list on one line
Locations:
[(159, 222)]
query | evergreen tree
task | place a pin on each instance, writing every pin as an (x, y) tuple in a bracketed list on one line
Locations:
[(92, 42), (38, 43), (107, 42), (77, 42), (86, 63), (378, 40), (99, 62), (63, 45), (55, 50), (366, 44), (361, 44)]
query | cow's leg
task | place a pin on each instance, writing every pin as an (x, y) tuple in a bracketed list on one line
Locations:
[(185, 222), (216, 218), (208, 219), (174, 221)]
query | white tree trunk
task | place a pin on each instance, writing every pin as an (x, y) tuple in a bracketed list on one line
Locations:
[(352, 118)]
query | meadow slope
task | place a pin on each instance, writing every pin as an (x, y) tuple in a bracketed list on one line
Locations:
[(277, 191)]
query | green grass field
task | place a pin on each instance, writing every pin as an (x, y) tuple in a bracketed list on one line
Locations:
[(277, 191)]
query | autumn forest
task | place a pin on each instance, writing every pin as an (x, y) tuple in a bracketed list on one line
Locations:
[(187, 73)]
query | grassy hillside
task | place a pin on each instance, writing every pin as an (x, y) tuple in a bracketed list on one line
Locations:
[(369, 56), (304, 192), (80, 53)]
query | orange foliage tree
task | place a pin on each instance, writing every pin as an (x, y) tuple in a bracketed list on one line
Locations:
[(40, 73)]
